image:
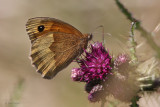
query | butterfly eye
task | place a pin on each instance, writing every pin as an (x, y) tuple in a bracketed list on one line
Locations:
[(41, 28)]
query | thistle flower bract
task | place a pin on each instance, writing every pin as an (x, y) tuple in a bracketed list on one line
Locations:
[(95, 66)]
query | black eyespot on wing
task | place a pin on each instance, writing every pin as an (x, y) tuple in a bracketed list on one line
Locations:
[(41, 28)]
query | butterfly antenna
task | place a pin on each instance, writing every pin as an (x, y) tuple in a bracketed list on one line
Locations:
[(103, 40)]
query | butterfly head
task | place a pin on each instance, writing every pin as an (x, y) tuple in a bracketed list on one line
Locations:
[(90, 36)]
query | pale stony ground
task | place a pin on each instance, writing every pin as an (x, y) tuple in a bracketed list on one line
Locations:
[(85, 15)]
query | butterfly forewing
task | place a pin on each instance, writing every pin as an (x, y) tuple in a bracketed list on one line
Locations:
[(55, 45)]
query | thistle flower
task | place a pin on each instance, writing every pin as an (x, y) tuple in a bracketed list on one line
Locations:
[(94, 69), (122, 58), (96, 94), (76, 74), (95, 66)]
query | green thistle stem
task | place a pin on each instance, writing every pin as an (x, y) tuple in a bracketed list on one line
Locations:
[(127, 13), (133, 43), (134, 101), (144, 33)]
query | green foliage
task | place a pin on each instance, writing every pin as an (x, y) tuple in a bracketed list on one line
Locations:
[(17, 94), (134, 101)]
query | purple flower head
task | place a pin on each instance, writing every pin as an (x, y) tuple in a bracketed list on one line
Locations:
[(76, 74), (96, 94), (96, 64), (122, 58)]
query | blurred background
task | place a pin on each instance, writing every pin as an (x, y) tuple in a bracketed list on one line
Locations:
[(85, 15)]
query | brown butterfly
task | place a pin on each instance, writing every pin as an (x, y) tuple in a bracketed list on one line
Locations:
[(55, 44)]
